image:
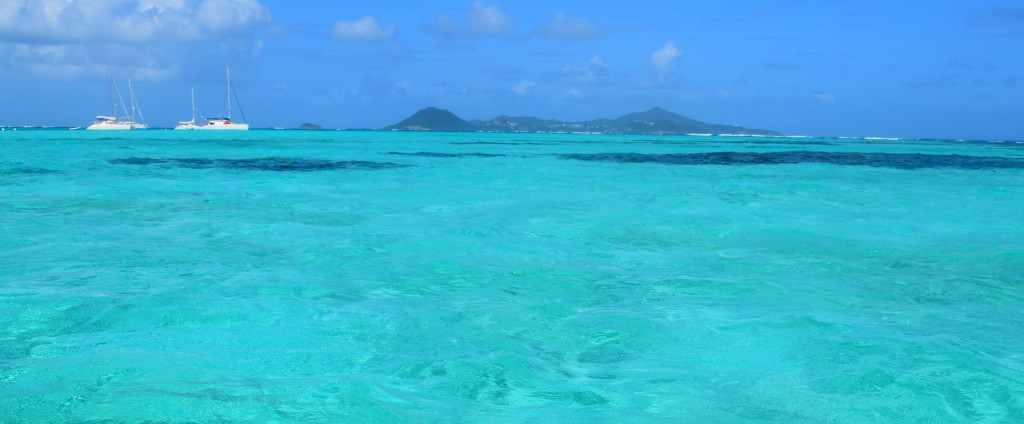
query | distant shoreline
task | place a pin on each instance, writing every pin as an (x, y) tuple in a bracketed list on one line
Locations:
[(788, 137)]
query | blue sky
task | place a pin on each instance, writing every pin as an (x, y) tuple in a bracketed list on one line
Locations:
[(942, 69)]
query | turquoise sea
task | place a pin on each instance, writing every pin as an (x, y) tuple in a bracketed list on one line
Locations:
[(395, 277)]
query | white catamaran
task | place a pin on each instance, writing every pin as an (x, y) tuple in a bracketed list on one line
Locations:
[(112, 122), (224, 123)]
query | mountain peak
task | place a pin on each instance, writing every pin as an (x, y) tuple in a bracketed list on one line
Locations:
[(654, 121), (433, 119), (658, 114)]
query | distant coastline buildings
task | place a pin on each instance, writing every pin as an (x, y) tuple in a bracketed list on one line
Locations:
[(653, 121)]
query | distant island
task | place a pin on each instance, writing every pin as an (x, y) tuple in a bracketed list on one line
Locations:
[(654, 121), (309, 126)]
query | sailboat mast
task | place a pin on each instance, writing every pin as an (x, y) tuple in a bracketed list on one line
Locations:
[(229, 93), (113, 98), (193, 90), (119, 98), (131, 98)]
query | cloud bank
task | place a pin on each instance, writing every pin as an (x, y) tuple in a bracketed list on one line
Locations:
[(125, 21), (594, 72), (365, 29), (563, 28), (663, 58), (483, 20), (523, 87), (488, 19), (148, 39)]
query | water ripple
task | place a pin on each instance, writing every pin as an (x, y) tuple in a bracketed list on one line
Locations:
[(29, 170), (263, 164), (447, 155), (887, 160)]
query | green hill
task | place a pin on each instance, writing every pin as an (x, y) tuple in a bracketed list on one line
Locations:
[(433, 119), (661, 121), (654, 121)]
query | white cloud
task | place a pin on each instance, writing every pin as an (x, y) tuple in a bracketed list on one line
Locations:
[(663, 58), (484, 20), (365, 29), (142, 39), (523, 87), (70, 72), (575, 93), (71, 63), (446, 27), (488, 19), (161, 5), (573, 29), (223, 16), (125, 21), (594, 72)]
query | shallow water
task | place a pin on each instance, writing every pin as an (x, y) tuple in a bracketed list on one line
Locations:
[(321, 276)]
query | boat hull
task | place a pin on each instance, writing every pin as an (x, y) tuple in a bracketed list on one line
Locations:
[(108, 126), (231, 128), (223, 126)]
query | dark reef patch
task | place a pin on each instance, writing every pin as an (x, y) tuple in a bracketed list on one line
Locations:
[(447, 155), (750, 142), (30, 170), (886, 160), (278, 164), (500, 143)]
